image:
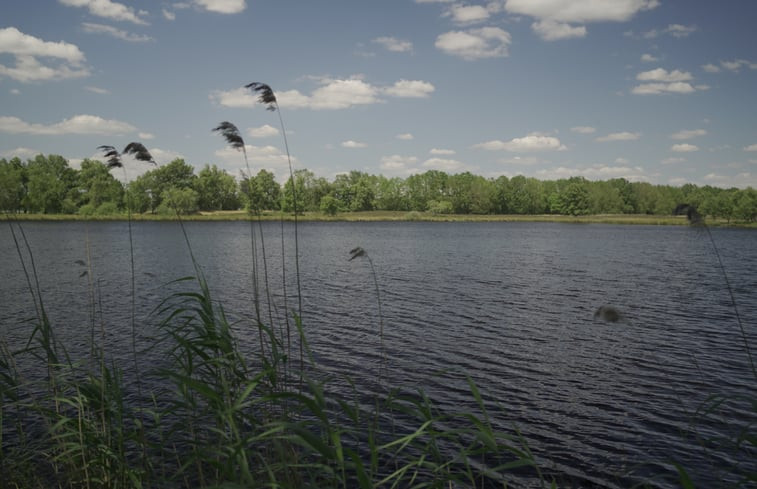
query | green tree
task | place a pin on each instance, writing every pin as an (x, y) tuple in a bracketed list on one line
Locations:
[(12, 188), (147, 189), (574, 199), (329, 205), (216, 190), (425, 187), (391, 194), (745, 205), (179, 200), (50, 185), (96, 185), (264, 191)]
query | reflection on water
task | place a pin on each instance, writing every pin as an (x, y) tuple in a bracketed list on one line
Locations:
[(512, 305)]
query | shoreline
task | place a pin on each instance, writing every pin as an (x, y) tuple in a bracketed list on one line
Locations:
[(392, 216)]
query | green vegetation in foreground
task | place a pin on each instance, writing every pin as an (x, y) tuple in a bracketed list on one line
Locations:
[(388, 216)]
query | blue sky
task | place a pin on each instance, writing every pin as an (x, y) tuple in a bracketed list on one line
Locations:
[(651, 90)]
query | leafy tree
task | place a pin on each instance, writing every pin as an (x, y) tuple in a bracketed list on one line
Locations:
[(216, 190), (425, 187), (149, 188), (12, 188), (440, 207), (265, 191), (525, 196), (179, 200), (96, 185), (50, 182), (574, 199), (391, 194), (329, 205), (745, 205)]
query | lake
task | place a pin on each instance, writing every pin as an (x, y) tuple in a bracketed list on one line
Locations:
[(509, 304)]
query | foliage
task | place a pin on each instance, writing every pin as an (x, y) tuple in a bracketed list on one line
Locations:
[(178, 200), (49, 185), (329, 205)]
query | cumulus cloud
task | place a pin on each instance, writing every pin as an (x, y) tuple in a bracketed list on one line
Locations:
[(98, 90), (684, 148), (673, 160), (557, 19), (146, 135), (737, 64), (260, 157), (660, 81), (410, 89), (583, 129), (394, 44), (442, 152), (78, 124), (168, 15), (399, 164), (711, 68), (551, 30), (21, 153), (405, 136), (113, 32), (264, 131), (619, 136), (751, 147), (468, 14), (353, 144), (445, 165), (333, 94), (222, 6), (688, 134), (486, 42), (648, 58), (595, 172), (108, 10), (531, 142), (663, 75), (27, 49), (678, 30)]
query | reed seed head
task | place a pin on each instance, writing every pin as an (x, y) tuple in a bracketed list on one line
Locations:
[(265, 94)]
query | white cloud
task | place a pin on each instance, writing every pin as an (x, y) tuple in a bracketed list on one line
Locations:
[(163, 156), (353, 144), (688, 134), (583, 129), (26, 49), (673, 160), (662, 75), (15, 91), (621, 161), (264, 131), (684, 148), (580, 11), (394, 44), (551, 30), (98, 90), (222, 6), (595, 172), (434, 1), (648, 58), (405, 136), (108, 9), (445, 165), (531, 142), (662, 88), (168, 15), (410, 89), (333, 94), (441, 152), (468, 14), (260, 157), (736, 65), (554, 17), (146, 135), (751, 147), (521, 160), (619, 136), (486, 42), (678, 30), (399, 164), (741, 180), (21, 153), (113, 32), (711, 68), (78, 124)]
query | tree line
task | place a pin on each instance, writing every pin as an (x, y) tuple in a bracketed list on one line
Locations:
[(48, 185)]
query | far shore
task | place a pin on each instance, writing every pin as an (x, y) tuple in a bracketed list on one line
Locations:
[(388, 216)]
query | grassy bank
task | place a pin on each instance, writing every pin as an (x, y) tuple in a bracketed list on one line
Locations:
[(395, 216)]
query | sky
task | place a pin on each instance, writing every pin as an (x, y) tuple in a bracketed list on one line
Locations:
[(662, 91)]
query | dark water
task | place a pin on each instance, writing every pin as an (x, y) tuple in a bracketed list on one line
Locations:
[(509, 304)]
